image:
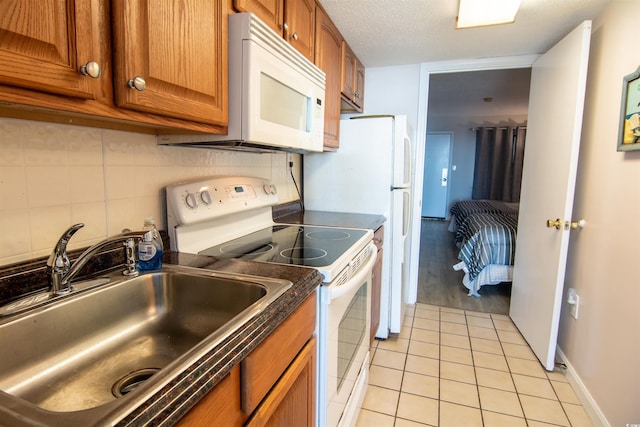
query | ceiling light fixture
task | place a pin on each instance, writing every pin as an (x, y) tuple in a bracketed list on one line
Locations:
[(478, 13)]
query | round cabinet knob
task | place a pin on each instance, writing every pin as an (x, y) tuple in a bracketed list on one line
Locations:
[(91, 69), (205, 196), (285, 26), (137, 83), (191, 201), (294, 36)]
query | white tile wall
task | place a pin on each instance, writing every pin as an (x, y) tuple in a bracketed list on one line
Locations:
[(52, 176)]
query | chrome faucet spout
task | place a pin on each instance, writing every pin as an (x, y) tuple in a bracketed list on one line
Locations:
[(58, 263), (60, 278)]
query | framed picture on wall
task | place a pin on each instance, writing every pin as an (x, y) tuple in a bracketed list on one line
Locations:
[(629, 133)]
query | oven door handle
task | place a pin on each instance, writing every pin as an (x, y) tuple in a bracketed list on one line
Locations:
[(354, 282)]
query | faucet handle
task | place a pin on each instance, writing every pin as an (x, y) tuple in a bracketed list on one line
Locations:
[(58, 260)]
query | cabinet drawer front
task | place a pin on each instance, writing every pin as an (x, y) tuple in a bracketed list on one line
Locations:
[(260, 370)]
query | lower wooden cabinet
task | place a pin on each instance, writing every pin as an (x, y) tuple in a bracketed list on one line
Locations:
[(220, 407), (273, 386), (291, 402)]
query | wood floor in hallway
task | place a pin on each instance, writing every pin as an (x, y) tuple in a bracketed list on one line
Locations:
[(439, 284)]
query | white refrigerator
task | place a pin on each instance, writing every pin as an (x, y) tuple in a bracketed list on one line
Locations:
[(371, 174)]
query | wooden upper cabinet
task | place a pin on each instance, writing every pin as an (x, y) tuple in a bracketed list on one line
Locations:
[(44, 44), (170, 58), (299, 25), (352, 86), (328, 59), (359, 79), (294, 20), (271, 12), (347, 85)]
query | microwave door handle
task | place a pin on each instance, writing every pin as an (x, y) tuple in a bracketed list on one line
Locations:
[(355, 281)]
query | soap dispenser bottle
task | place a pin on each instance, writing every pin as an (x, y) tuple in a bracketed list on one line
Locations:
[(150, 248)]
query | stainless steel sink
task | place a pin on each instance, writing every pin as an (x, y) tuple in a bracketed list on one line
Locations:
[(103, 345)]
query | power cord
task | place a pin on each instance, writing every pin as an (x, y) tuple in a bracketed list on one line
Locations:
[(293, 178)]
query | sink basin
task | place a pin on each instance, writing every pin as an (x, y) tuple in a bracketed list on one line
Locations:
[(96, 347)]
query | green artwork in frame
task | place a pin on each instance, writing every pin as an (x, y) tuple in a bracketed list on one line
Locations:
[(629, 133)]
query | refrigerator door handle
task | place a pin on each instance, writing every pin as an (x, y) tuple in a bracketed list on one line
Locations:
[(408, 161)]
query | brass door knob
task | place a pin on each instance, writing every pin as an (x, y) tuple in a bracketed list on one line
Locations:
[(574, 225), (557, 224)]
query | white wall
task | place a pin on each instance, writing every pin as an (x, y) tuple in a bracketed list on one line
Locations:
[(52, 176), (393, 90), (603, 345)]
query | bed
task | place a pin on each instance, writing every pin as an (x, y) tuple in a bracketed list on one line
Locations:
[(463, 208), (486, 235)]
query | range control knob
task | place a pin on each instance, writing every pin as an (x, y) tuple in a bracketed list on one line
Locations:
[(272, 189), (191, 201), (266, 188), (205, 196)]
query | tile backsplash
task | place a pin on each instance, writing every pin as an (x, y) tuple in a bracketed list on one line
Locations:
[(53, 175)]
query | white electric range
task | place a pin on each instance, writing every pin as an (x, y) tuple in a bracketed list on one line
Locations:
[(230, 217)]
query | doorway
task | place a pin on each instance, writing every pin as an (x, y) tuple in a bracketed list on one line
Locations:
[(436, 175), (458, 103)]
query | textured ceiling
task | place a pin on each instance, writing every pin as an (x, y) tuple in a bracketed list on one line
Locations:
[(396, 32), (463, 94)]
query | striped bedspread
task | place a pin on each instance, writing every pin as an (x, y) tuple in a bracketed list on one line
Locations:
[(463, 208), (487, 239)]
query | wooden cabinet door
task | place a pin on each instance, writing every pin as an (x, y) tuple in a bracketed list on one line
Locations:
[(43, 44), (176, 53), (291, 402), (220, 407), (299, 26), (348, 71), (358, 95), (352, 82), (269, 11), (328, 58)]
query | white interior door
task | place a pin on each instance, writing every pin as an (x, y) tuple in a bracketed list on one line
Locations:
[(558, 81), (436, 175)]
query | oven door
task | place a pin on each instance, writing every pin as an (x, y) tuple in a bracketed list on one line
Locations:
[(345, 317)]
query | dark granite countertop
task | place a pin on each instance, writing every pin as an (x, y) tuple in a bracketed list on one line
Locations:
[(333, 219), (178, 396), (171, 403)]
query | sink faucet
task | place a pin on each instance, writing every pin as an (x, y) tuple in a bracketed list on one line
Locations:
[(60, 270)]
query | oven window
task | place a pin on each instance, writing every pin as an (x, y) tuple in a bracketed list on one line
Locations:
[(352, 330)]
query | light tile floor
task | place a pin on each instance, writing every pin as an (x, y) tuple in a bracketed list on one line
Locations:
[(454, 368)]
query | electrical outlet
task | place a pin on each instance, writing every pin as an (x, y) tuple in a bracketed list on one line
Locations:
[(574, 307), (573, 299)]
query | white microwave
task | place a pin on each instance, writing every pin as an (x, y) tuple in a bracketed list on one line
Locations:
[(276, 95)]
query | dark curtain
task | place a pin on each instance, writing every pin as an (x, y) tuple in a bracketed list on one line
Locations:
[(498, 166)]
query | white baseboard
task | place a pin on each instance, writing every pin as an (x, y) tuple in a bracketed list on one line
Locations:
[(590, 406)]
